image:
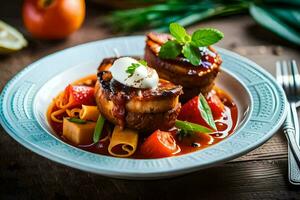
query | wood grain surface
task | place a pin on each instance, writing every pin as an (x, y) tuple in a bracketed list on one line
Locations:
[(261, 174)]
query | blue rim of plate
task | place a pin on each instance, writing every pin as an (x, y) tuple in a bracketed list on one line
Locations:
[(267, 113)]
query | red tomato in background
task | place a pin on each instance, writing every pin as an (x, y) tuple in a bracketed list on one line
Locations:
[(53, 19), (159, 144)]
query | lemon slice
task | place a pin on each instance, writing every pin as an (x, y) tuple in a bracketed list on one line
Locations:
[(11, 40)]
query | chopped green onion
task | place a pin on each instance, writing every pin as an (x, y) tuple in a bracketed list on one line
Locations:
[(191, 127), (98, 128), (77, 121)]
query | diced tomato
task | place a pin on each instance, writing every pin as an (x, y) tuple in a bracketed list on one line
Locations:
[(190, 112), (159, 144), (216, 105), (79, 95)]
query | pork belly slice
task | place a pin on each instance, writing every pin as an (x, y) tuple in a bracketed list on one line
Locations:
[(194, 79), (141, 109)]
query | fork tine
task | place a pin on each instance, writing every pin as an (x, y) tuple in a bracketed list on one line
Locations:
[(291, 78), (285, 77), (296, 76), (279, 73)]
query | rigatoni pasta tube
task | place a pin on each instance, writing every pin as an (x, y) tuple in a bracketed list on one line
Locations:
[(127, 139), (74, 112), (89, 113)]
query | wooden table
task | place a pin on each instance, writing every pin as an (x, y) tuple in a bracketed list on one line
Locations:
[(261, 174)]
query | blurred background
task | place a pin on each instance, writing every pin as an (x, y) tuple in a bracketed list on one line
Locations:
[(279, 17), (253, 28)]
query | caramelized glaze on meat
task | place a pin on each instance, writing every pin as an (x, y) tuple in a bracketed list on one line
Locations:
[(141, 109), (194, 79)]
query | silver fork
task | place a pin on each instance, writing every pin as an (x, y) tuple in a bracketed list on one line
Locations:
[(288, 77)]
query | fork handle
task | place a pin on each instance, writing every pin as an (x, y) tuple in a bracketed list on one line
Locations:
[(295, 120), (290, 133), (293, 168)]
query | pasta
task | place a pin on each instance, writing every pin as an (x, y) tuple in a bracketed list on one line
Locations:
[(75, 112), (89, 113), (127, 139), (56, 113), (63, 103)]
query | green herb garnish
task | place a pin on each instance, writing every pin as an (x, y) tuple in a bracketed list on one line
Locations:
[(131, 69), (143, 62), (179, 33), (188, 127), (77, 121), (206, 36), (170, 50), (188, 45), (192, 53), (98, 128), (206, 113)]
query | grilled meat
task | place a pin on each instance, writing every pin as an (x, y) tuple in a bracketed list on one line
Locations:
[(142, 109), (194, 79)]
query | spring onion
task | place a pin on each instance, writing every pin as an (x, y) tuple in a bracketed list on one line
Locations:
[(77, 121), (98, 128), (191, 127)]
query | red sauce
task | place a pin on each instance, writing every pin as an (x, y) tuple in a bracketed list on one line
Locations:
[(225, 126)]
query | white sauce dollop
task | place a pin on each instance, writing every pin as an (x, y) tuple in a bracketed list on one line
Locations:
[(142, 77)]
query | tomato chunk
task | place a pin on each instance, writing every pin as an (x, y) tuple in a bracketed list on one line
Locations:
[(190, 112), (216, 105), (79, 95), (159, 144)]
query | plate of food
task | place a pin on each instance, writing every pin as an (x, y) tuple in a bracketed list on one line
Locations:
[(143, 107)]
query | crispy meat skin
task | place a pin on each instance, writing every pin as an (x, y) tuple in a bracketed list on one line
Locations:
[(144, 110), (193, 79)]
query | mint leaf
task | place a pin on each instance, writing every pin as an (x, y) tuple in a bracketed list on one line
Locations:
[(206, 112), (206, 36), (170, 50), (130, 69), (179, 33), (192, 53), (187, 45)]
